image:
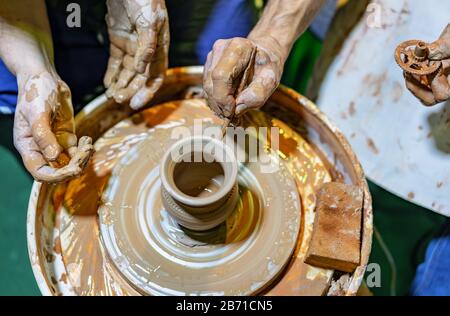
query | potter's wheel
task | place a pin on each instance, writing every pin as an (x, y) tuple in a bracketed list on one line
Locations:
[(66, 251), (159, 257)]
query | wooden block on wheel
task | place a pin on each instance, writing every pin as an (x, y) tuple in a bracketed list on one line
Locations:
[(336, 238)]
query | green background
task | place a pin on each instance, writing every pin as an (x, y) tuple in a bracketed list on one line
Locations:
[(405, 229)]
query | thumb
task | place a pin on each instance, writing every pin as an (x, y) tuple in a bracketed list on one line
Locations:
[(253, 97), (439, 50), (45, 138), (64, 124), (257, 92)]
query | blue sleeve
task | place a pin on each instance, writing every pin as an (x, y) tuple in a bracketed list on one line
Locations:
[(229, 18), (8, 90), (433, 275)]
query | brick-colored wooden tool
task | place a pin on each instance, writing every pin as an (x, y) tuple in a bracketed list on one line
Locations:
[(336, 238)]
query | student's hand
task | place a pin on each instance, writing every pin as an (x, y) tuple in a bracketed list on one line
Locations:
[(440, 86), (225, 67), (44, 128), (139, 35)]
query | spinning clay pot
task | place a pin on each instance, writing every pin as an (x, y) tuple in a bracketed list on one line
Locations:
[(199, 182)]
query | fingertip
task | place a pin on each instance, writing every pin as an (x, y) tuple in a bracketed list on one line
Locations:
[(110, 91), (66, 139), (241, 109), (107, 81), (145, 95), (136, 103), (427, 102), (84, 140), (140, 66), (71, 140), (46, 140), (51, 152), (229, 108), (119, 97)]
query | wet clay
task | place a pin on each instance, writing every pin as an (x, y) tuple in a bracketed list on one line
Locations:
[(90, 270), (199, 188), (138, 232), (336, 239)]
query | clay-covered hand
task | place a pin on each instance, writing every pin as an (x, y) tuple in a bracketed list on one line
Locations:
[(139, 35), (44, 129), (225, 68), (438, 89)]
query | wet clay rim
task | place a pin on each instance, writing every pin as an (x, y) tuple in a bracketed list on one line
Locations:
[(101, 114), (229, 167)]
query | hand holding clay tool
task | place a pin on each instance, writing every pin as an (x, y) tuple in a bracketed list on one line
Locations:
[(426, 68), (246, 76)]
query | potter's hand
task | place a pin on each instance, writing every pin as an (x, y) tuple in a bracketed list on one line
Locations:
[(225, 68), (44, 128), (139, 35), (281, 23), (439, 88)]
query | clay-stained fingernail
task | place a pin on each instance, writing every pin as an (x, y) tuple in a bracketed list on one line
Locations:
[(119, 98), (71, 140), (226, 112), (111, 90), (136, 103), (67, 140), (230, 107), (85, 140), (51, 152), (140, 67), (240, 108)]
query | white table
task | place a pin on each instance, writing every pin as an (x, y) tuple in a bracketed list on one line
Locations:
[(404, 147)]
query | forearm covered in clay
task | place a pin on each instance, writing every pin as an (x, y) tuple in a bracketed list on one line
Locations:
[(44, 126), (26, 44), (283, 21)]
